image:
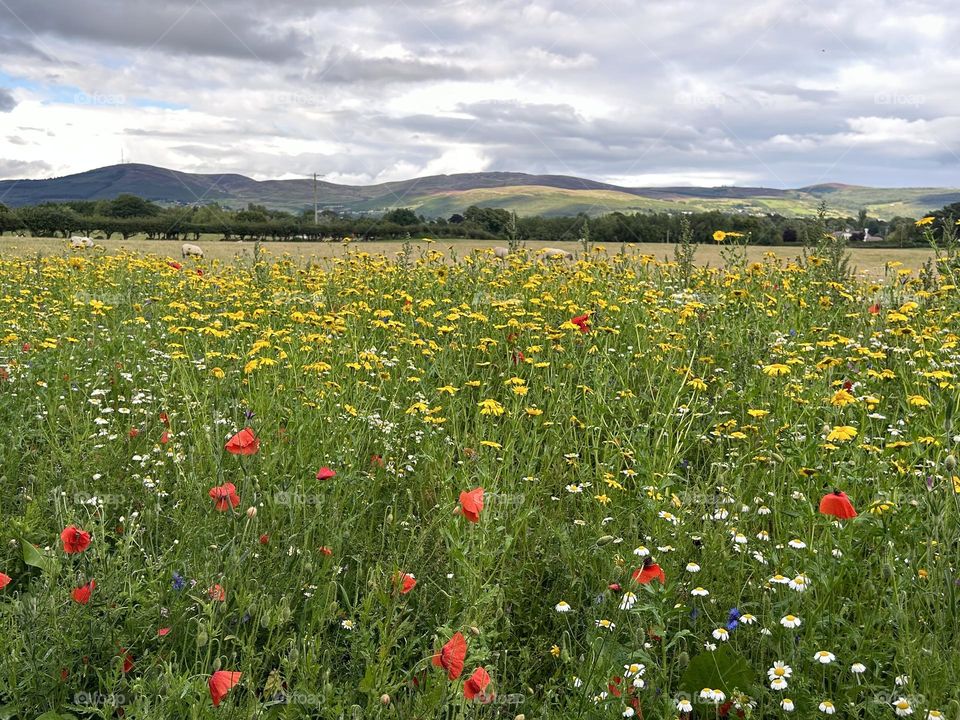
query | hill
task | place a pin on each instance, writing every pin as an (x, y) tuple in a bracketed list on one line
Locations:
[(441, 195)]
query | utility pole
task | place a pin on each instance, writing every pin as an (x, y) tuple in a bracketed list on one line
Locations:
[(316, 215)]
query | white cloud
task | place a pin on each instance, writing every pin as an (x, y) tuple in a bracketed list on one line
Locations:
[(675, 92)]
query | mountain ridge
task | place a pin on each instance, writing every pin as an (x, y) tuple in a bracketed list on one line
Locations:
[(438, 195)]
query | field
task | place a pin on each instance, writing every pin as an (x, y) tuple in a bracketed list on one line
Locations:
[(425, 486), (872, 261)]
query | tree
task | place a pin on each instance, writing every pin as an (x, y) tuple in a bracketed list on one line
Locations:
[(48, 220), (126, 206), (401, 216)]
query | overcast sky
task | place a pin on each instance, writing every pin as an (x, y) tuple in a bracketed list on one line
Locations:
[(781, 93)]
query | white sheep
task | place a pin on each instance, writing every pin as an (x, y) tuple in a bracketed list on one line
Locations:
[(81, 241), (556, 253), (501, 252), (191, 250)]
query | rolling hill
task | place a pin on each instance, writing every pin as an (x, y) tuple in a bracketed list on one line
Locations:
[(442, 195)]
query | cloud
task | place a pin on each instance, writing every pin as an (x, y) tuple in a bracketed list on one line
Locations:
[(748, 91), (7, 101), (195, 28), (13, 169), (345, 66)]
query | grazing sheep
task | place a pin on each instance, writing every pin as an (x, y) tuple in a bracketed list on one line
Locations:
[(557, 253), (80, 241), (191, 250), (501, 252)]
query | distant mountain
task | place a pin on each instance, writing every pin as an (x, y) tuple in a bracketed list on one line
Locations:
[(441, 195)]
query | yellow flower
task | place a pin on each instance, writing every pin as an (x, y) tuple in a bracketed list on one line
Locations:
[(842, 397), (881, 506), (842, 433), (918, 401), (490, 407), (697, 384), (217, 373), (555, 651), (776, 370), (758, 414), (719, 236), (602, 499), (491, 444), (924, 221)]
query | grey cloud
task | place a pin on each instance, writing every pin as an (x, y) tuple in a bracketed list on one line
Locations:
[(193, 28), (7, 101), (345, 66), (11, 169)]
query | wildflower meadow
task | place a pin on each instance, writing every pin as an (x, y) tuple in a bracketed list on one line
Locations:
[(433, 486)]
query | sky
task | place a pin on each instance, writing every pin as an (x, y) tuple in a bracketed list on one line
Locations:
[(774, 93)]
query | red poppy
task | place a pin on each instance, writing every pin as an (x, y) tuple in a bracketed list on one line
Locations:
[(326, 551), (64, 674), (406, 581), (614, 586), (163, 632), (26, 347), (225, 495), (837, 504), (165, 419), (471, 503), (518, 357), (264, 539), (164, 437), (874, 309), (174, 264), (220, 683), (847, 385), (325, 473), (199, 272), (376, 460), (452, 655), (613, 686), (582, 322), (244, 442), (4, 580), (476, 684), (74, 539), (82, 593), (649, 572), (217, 593), (133, 433), (127, 661)]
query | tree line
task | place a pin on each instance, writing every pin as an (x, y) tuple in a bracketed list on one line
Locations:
[(128, 215)]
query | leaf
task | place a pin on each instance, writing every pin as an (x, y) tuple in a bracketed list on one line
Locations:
[(35, 558), (723, 669)]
